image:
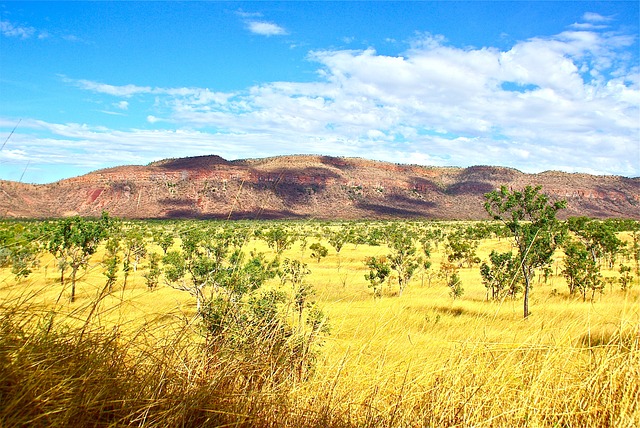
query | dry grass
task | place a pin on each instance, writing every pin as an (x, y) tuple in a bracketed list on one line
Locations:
[(133, 357)]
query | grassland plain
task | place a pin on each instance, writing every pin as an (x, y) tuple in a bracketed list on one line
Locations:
[(131, 357)]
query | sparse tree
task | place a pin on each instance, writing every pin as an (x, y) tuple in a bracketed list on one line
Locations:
[(501, 276), (531, 218), (455, 286), (294, 272), (111, 261), (379, 270), (74, 240), (626, 279), (461, 248), (153, 273), (319, 251), (164, 239), (403, 257), (581, 270), (278, 239)]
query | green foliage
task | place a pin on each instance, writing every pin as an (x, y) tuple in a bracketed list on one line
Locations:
[(599, 238), (337, 239), (111, 261), (278, 239), (175, 266), (152, 276), (20, 248), (319, 251), (531, 218), (379, 270), (581, 270), (73, 240), (164, 239), (626, 278), (502, 277), (294, 272), (403, 257), (455, 286), (461, 248)]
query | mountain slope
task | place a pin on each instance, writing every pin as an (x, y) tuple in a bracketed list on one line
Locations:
[(306, 187)]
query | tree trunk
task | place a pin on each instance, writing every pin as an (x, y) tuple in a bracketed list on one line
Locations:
[(74, 270), (526, 291)]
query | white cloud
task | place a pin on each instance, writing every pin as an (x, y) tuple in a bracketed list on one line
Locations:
[(264, 28), (569, 102), (11, 30), (241, 13), (587, 26), (122, 105), (118, 91), (596, 17)]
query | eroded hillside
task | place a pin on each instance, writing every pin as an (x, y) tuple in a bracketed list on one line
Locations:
[(306, 186)]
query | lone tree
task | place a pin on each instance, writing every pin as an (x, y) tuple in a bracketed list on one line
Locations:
[(531, 219)]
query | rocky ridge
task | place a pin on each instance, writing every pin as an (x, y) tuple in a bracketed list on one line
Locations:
[(306, 186)]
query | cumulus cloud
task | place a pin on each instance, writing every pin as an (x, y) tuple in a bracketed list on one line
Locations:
[(569, 102), (265, 28)]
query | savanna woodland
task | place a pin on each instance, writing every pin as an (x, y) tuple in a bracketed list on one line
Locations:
[(522, 320)]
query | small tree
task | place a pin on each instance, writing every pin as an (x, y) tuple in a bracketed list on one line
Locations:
[(74, 240), (278, 239), (501, 276), (319, 251), (531, 218), (294, 272), (455, 285), (111, 261), (425, 242), (461, 248), (153, 273), (337, 240), (626, 279), (20, 248), (379, 270), (581, 270), (164, 239), (598, 237), (403, 257)]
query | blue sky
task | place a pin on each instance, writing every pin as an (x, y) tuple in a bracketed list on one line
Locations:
[(530, 85)]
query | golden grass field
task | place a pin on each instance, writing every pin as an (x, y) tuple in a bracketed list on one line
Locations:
[(421, 359)]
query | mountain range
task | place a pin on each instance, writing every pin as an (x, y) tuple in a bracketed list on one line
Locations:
[(307, 186)]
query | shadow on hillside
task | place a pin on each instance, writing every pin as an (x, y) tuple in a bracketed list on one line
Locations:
[(379, 210), (476, 188), (195, 162), (397, 205), (405, 202), (294, 185), (422, 185), (335, 162), (176, 202), (236, 215)]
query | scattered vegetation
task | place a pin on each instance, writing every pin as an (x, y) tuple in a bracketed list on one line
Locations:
[(266, 335)]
